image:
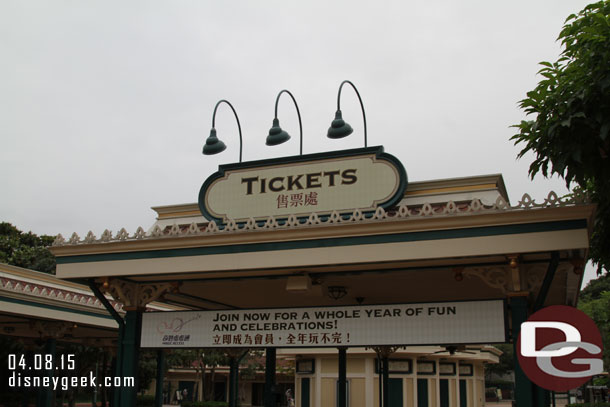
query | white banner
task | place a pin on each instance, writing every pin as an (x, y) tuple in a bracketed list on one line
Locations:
[(398, 324)]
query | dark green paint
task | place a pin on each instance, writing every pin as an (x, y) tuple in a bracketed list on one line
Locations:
[(305, 392), (129, 357), (523, 387), (395, 392), (444, 392), (270, 358), (160, 374), (422, 392), (342, 382), (45, 394), (548, 280), (385, 381), (463, 393)]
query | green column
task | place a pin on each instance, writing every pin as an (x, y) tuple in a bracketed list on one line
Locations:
[(342, 384), (386, 380), (233, 374), (270, 377), (45, 395), (523, 386), (129, 355), (160, 374), (117, 367)]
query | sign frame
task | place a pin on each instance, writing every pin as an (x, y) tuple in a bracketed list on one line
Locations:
[(377, 152), (339, 307)]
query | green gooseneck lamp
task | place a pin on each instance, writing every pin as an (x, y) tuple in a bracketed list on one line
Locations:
[(339, 128), (213, 145), (276, 134)]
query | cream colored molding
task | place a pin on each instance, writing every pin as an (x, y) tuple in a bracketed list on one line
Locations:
[(494, 277), (134, 296), (51, 295), (357, 217)]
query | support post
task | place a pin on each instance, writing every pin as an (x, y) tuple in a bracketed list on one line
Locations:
[(233, 372), (94, 398), (523, 387), (270, 356), (235, 358), (104, 374), (383, 354), (130, 355), (133, 297), (546, 283), (386, 381), (117, 361), (342, 384), (160, 374), (46, 393), (380, 379)]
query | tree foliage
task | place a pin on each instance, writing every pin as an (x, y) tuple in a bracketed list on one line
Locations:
[(570, 135), (26, 250), (595, 302), (595, 288)]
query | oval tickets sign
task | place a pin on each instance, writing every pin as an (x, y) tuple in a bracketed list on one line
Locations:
[(341, 181)]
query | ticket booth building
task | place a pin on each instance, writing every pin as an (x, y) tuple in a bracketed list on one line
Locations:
[(456, 239)]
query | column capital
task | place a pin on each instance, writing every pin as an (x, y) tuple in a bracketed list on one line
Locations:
[(385, 350), (135, 296)]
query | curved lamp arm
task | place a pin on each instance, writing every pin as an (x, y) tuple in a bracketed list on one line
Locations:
[(277, 100), (236, 118), (361, 105), (276, 134)]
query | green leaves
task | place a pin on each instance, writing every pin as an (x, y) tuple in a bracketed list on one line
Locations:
[(569, 134), (25, 250), (595, 302)]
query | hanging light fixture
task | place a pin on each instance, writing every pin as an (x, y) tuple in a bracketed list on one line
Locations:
[(213, 145), (276, 134), (339, 128)]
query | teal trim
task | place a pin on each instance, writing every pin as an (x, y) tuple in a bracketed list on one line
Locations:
[(483, 231), (53, 307)]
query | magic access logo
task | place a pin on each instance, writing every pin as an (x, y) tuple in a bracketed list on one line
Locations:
[(560, 348)]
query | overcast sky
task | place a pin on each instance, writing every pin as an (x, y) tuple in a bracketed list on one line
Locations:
[(105, 105)]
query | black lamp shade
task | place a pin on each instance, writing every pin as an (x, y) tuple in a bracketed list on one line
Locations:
[(276, 134), (213, 145), (339, 128)]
